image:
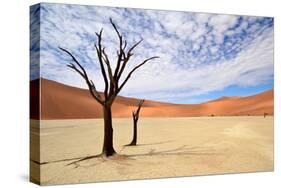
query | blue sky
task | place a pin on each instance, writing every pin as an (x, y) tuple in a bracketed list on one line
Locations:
[(202, 56)]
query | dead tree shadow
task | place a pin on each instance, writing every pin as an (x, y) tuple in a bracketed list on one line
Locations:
[(123, 159), (153, 143), (182, 150), (148, 144)]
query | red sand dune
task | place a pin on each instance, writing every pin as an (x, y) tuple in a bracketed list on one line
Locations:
[(59, 101)]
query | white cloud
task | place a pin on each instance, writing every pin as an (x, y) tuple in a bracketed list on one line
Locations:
[(221, 23), (251, 67)]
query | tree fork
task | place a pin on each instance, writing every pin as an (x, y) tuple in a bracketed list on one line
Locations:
[(135, 115)]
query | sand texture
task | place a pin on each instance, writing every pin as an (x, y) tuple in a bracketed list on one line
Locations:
[(166, 147)]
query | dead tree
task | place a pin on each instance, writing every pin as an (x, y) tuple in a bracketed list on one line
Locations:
[(135, 115), (265, 114), (111, 80)]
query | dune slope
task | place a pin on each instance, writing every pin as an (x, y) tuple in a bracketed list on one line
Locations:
[(59, 101)]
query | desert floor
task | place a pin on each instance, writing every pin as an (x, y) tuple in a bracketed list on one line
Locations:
[(166, 147)]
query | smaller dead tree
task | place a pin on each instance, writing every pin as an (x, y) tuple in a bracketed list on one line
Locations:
[(135, 115), (265, 114)]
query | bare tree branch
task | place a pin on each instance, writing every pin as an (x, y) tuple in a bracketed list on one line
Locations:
[(94, 88), (136, 113), (127, 58), (99, 53), (72, 66), (132, 71), (133, 47), (107, 62), (113, 84), (115, 28), (125, 61), (120, 52), (75, 60), (83, 74)]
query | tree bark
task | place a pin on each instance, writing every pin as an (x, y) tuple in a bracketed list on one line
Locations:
[(135, 133), (108, 149)]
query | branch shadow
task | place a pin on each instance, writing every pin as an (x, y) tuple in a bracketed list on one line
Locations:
[(122, 159), (182, 150), (154, 143)]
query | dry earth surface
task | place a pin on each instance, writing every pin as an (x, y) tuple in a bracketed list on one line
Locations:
[(166, 147)]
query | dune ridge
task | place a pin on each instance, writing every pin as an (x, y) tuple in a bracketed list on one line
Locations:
[(59, 101)]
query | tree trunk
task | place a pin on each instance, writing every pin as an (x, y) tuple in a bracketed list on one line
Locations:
[(135, 115), (135, 132), (108, 149)]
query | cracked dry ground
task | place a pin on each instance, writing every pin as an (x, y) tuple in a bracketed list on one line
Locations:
[(166, 147)]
